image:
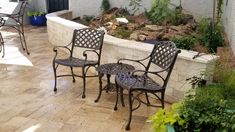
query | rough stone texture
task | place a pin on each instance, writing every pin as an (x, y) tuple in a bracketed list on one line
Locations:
[(60, 33)]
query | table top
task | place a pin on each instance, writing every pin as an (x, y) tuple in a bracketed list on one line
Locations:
[(115, 68)]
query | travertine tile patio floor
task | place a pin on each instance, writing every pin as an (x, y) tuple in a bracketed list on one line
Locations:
[(28, 103)]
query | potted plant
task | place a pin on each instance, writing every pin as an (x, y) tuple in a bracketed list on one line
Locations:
[(37, 18)]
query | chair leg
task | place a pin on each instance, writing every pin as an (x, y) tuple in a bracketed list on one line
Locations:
[(162, 99), (24, 41), (108, 83), (54, 69), (130, 110), (72, 74), (121, 95), (20, 35), (84, 82), (3, 50), (100, 87), (2, 45), (147, 98), (117, 96)]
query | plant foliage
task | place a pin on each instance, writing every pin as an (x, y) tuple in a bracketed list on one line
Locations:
[(184, 42), (163, 117), (209, 36), (208, 108), (160, 12), (105, 5), (35, 13)]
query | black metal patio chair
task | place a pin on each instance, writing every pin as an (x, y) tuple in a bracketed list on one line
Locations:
[(89, 39), (17, 22), (2, 48), (144, 82)]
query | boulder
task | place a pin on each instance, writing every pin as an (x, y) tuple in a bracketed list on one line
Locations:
[(155, 28), (121, 21), (142, 37), (140, 19), (134, 36), (132, 26), (108, 25)]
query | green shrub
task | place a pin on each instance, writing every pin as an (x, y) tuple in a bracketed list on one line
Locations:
[(35, 13), (209, 36), (164, 117), (122, 12), (122, 33), (87, 18), (206, 111), (160, 12), (105, 5), (184, 42)]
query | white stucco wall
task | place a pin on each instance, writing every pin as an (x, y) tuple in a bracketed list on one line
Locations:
[(197, 8), (229, 22)]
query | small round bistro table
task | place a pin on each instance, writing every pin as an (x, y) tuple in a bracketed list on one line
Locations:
[(108, 70)]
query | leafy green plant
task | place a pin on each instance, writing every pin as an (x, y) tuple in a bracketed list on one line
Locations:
[(208, 108), (135, 5), (163, 118), (160, 12), (184, 42), (35, 13), (209, 36), (179, 17), (87, 18), (105, 5), (202, 30), (206, 111), (122, 12), (122, 33)]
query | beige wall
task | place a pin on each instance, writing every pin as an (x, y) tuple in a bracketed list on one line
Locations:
[(229, 22)]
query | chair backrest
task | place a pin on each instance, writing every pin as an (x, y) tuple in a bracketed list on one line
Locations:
[(23, 5), (88, 38), (164, 55)]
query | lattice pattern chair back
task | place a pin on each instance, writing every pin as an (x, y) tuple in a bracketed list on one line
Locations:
[(164, 54), (88, 38), (22, 8)]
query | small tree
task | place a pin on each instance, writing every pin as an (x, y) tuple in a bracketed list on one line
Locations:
[(105, 5)]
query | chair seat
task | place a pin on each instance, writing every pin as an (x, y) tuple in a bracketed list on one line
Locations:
[(75, 62), (137, 83)]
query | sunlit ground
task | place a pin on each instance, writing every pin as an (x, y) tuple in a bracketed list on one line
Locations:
[(12, 53), (32, 128)]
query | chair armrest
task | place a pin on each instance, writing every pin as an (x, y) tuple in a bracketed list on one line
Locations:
[(55, 49), (5, 15), (86, 51), (156, 73), (137, 61)]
